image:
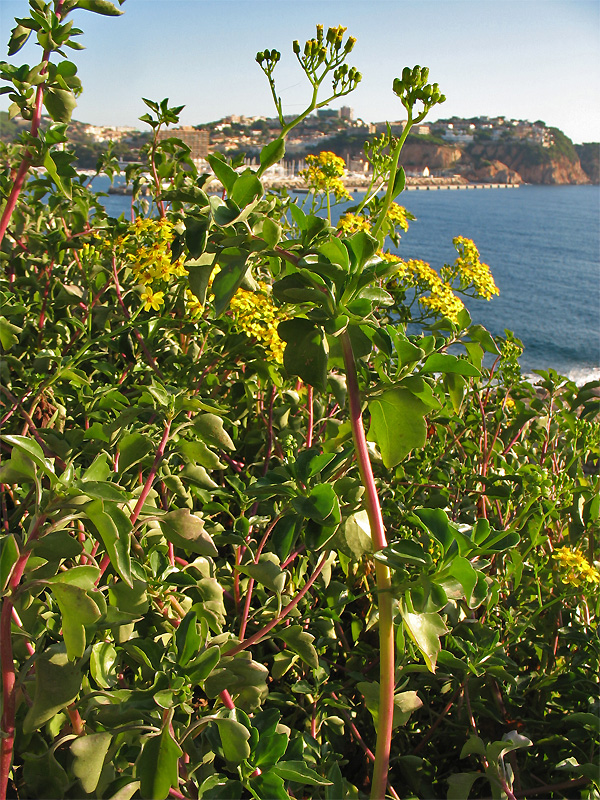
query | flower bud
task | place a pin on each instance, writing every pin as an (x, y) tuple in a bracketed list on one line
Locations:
[(406, 75), (260, 57), (319, 33), (398, 85), (296, 47), (424, 74), (350, 44)]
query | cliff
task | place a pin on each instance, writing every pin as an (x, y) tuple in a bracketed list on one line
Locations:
[(532, 162), (589, 158)]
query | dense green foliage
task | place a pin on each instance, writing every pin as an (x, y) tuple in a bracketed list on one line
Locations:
[(213, 587)]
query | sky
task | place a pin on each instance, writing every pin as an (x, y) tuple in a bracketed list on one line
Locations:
[(523, 59)]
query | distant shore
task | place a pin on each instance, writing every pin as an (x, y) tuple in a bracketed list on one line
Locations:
[(354, 184)]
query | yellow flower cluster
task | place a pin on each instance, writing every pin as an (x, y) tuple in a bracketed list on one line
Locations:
[(576, 568), (257, 315), (441, 299), (325, 173), (146, 247), (471, 270), (399, 216), (351, 223)]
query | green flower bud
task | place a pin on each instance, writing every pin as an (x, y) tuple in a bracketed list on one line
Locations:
[(260, 57), (406, 75), (424, 74), (296, 47), (398, 85)]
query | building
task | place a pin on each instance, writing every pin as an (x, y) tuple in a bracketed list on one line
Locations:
[(346, 113), (196, 140)]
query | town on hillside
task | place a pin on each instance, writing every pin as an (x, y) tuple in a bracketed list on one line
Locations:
[(453, 151)]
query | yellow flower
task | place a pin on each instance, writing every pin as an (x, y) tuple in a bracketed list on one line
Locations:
[(257, 315), (575, 567), (399, 216), (325, 173), (152, 299), (471, 270), (350, 223)]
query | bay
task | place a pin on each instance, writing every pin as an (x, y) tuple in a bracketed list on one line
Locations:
[(542, 244)]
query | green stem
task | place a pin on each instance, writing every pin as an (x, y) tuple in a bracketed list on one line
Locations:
[(383, 579), (389, 195)]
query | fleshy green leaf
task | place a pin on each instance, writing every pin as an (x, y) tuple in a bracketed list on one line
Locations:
[(115, 537), (397, 424), (186, 530), (210, 428), (57, 683), (88, 754), (157, 765), (266, 572), (301, 642), (425, 630), (298, 772), (272, 153)]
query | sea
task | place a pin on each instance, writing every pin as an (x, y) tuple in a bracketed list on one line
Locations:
[(542, 244)]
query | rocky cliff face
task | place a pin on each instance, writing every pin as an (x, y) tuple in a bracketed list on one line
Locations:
[(418, 155), (589, 157), (504, 162), (532, 163)]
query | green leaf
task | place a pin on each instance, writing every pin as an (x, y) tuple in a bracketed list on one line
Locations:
[(465, 574), (88, 754), (272, 153), (78, 610), (301, 642), (8, 333), (246, 188), (187, 639), (9, 554), (115, 537), (157, 766), (186, 530), (227, 282), (133, 448), (57, 683), (460, 784), (103, 659), (131, 599), (356, 533), (202, 666), (60, 104), (404, 703), (306, 351), (310, 462), (32, 450), (52, 170), (267, 572), (270, 232), (223, 171), (234, 739), (269, 785), (321, 505), (399, 182), (445, 362), (361, 247), (210, 428), (425, 630), (103, 7), (397, 424), (298, 772)]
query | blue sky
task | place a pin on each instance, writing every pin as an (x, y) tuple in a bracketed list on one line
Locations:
[(527, 59)]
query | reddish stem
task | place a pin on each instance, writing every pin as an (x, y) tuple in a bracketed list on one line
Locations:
[(256, 637), (250, 587), (8, 664)]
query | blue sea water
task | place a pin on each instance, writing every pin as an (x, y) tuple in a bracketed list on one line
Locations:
[(543, 246)]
